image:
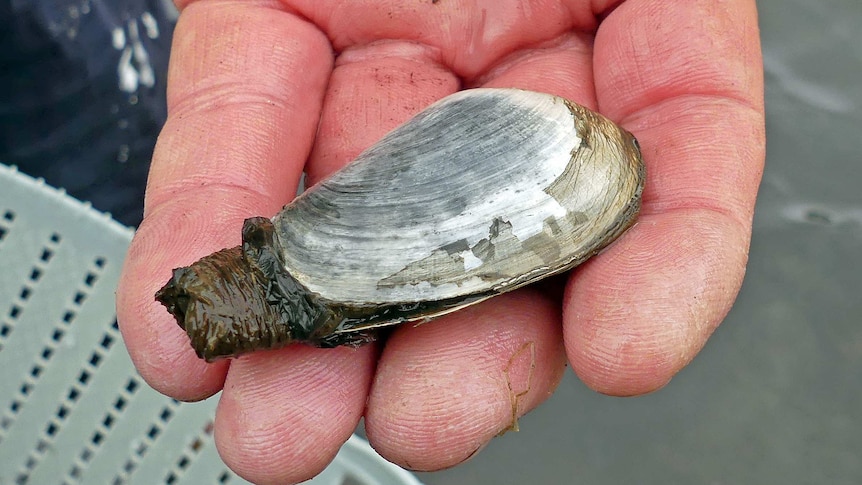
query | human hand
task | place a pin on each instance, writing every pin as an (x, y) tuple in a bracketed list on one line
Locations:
[(252, 83)]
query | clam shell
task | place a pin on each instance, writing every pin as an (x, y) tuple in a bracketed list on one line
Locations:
[(483, 192)]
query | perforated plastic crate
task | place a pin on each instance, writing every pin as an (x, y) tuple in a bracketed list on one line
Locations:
[(72, 407)]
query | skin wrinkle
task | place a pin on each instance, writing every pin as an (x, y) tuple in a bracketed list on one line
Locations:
[(635, 116), (182, 5), (602, 9), (229, 94), (400, 14), (217, 154), (388, 48), (571, 43), (237, 190), (424, 54), (307, 373), (720, 75), (173, 195), (716, 196)]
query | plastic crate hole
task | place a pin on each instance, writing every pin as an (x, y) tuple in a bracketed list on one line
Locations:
[(68, 317), (196, 445), (14, 312), (62, 412), (141, 449), (15, 406), (108, 421), (47, 352), (46, 255), (165, 415), (22, 478), (57, 335), (55, 238), (129, 466), (132, 386), (75, 472), (35, 274), (5, 330), (171, 478), (351, 480), (25, 293), (73, 395), (99, 262), (84, 377), (106, 342), (79, 297), (153, 432), (42, 446), (90, 279), (8, 215), (120, 404), (86, 455), (36, 371), (51, 429), (2, 232), (95, 359), (97, 438), (26, 388), (183, 463), (224, 477)]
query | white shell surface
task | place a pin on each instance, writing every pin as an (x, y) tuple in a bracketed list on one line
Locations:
[(487, 189)]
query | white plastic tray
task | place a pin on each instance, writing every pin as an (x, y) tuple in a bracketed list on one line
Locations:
[(72, 407)]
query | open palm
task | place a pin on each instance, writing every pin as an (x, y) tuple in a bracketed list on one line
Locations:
[(262, 90)]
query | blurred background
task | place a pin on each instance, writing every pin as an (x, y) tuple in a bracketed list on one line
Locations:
[(775, 397), (82, 95)]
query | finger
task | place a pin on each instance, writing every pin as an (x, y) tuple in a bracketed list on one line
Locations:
[(686, 79), (285, 413), (445, 388), (469, 37), (239, 129)]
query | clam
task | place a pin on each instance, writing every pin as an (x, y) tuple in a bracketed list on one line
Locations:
[(483, 192)]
